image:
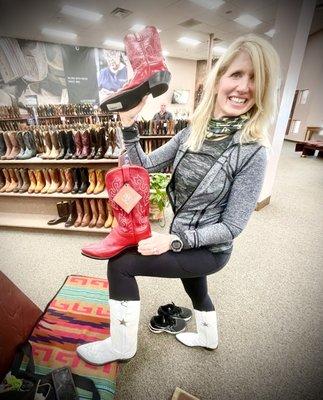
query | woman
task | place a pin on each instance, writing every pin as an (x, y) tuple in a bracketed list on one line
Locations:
[(218, 169)]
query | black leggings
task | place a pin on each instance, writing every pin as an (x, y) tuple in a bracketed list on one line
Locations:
[(191, 266)]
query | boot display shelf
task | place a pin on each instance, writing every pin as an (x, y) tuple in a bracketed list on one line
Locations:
[(102, 195), (39, 221), (156, 136), (38, 160)]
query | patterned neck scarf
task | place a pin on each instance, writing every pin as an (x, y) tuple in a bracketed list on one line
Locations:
[(225, 126)]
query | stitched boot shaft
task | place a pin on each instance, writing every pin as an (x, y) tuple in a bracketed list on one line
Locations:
[(92, 180), (15, 150), (62, 144), (30, 150), (150, 72), (22, 145), (40, 180), (76, 179), (33, 181), (95, 214), (47, 145), (109, 214), (2, 145), (54, 177), (101, 217), (25, 180), (7, 180), (39, 143), (62, 180), (100, 138), (84, 180), (70, 145), (47, 181), (207, 331), (79, 212), (85, 137), (133, 226), (100, 183), (93, 144), (13, 180), (55, 151), (122, 343), (78, 144), (8, 146), (19, 180), (69, 176), (87, 213)]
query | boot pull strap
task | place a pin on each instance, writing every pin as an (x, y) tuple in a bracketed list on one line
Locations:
[(126, 173)]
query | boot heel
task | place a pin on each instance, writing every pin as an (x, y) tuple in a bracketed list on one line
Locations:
[(158, 83)]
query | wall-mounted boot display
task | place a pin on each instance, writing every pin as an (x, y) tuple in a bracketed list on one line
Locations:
[(100, 184), (150, 72), (92, 181), (33, 181), (72, 214), (19, 180), (87, 213), (95, 214), (25, 180), (63, 212)]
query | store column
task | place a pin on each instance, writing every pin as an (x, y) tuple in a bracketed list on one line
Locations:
[(293, 22)]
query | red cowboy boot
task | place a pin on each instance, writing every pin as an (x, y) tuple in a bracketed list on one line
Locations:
[(126, 186), (150, 72)]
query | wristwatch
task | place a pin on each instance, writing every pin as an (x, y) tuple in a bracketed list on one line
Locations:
[(176, 244)]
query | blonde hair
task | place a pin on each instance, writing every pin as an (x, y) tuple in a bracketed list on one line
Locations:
[(266, 67)]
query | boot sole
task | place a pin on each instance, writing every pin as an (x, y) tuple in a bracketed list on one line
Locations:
[(107, 258), (123, 361), (157, 84), (206, 348)]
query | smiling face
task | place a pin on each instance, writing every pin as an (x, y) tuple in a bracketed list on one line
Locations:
[(235, 90)]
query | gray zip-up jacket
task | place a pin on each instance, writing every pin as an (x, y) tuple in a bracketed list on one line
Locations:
[(220, 206)]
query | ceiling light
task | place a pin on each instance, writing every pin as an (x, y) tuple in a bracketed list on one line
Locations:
[(165, 53), (113, 43), (270, 33), (209, 4), (81, 13), (248, 21), (219, 50), (186, 40), (59, 34)]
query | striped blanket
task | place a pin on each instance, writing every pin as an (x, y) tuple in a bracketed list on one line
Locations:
[(78, 314)]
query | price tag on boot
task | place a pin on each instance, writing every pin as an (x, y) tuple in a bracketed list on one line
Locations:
[(127, 198)]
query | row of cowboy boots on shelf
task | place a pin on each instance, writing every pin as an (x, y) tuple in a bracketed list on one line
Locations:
[(9, 112), (85, 212), (52, 110), (105, 142), (161, 127), (52, 180)]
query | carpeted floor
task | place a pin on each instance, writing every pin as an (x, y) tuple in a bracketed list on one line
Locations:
[(267, 297)]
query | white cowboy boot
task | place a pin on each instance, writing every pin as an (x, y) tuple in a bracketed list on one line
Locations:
[(122, 343), (207, 331)]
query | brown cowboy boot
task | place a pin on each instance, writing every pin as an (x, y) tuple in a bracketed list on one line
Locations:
[(7, 180), (13, 181), (63, 181), (15, 150), (109, 213), (79, 212), (102, 217), (40, 181), (87, 214), (25, 180), (19, 180), (92, 180), (100, 184), (69, 180), (47, 180), (95, 214), (55, 180), (54, 153), (33, 181)]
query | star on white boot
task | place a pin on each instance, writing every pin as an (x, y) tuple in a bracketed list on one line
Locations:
[(122, 343), (207, 331)]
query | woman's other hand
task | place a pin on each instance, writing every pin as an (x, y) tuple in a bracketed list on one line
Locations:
[(157, 244), (128, 117)]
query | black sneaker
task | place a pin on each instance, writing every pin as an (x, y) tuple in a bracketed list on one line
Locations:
[(164, 323), (175, 312)]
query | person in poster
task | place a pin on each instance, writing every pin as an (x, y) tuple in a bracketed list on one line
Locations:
[(114, 74)]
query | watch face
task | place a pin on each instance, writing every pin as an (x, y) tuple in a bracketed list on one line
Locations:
[(177, 245)]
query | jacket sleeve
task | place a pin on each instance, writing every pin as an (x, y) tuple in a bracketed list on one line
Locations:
[(158, 159), (244, 193)]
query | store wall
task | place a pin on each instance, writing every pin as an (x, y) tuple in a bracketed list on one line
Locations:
[(183, 77), (310, 113)]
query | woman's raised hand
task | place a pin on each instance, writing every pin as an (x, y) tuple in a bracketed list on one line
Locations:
[(128, 117)]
